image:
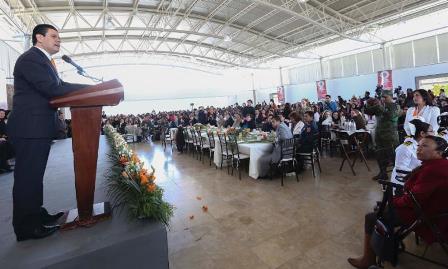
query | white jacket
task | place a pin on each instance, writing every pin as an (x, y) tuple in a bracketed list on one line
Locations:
[(429, 115), (405, 158)]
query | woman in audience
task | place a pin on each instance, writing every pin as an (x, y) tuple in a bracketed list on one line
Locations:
[(238, 121), (423, 110), (429, 184), (296, 124), (406, 154), (326, 118), (336, 119), (358, 119)]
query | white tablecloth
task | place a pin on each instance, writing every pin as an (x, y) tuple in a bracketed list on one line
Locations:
[(254, 150)]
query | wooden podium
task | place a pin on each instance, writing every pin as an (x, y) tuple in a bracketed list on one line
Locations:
[(86, 109)]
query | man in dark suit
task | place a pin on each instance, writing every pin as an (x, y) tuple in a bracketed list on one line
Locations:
[(31, 128)]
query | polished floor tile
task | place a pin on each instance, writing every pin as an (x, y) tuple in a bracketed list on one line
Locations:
[(315, 223)]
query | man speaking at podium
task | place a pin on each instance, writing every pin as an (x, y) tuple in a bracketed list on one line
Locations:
[(31, 128)]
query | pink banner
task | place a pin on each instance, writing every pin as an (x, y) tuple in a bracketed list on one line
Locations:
[(385, 79), (321, 89), (281, 94)]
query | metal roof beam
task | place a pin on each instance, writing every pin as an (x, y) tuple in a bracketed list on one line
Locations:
[(137, 37), (152, 11)]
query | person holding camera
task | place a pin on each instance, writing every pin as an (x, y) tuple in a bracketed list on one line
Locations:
[(386, 134)]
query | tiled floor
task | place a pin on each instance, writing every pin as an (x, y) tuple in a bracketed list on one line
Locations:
[(314, 223)]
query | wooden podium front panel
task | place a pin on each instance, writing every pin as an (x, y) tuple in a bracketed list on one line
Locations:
[(86, 127)]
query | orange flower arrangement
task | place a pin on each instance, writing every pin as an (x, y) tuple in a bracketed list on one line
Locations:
[(143, 179), (151, 187)]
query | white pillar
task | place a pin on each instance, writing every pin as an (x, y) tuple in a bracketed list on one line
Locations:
[(253, 89), (383, 53), (26, 42)]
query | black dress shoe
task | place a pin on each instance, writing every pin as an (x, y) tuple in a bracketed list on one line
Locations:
[(48, 219), (36, 233)]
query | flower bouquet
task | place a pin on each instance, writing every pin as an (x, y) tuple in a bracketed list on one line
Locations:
[(133, 186)]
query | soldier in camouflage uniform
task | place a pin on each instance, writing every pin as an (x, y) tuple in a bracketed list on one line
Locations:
[(386, 133)]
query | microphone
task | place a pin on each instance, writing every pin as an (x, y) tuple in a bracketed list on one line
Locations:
[(70, 61)]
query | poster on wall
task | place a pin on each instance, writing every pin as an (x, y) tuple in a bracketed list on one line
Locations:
[(321, 89), (281, 94), (385, 79)]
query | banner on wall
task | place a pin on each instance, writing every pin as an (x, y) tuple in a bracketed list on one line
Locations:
[(321, 89), (281, 94), (385, 79)]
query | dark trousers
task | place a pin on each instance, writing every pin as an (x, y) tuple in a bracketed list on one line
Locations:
[(31, 161), (370, 221), (6, 153)]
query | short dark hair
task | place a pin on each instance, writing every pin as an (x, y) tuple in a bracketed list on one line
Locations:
[(41, 29), (276, 118), (420, 126), (329, 96), (442, 145), (309, 113)]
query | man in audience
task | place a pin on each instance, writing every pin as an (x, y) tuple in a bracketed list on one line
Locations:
[(329, 104), (248, 110), (248, 122), (282, 132)]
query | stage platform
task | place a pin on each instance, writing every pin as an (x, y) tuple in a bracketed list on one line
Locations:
[(115, 243)]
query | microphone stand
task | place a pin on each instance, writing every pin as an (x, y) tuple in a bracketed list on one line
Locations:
[(84, 74)]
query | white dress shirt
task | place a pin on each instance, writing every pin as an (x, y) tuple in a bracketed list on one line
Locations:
[(45, 52), (428, 114)]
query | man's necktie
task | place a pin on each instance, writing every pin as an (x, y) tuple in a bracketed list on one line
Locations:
[(54, 64)]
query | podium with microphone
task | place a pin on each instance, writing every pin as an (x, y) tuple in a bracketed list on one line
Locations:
[(86, 110)]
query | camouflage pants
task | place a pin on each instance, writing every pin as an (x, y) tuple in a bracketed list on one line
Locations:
[(385, 152)]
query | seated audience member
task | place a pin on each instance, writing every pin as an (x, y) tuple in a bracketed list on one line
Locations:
[(248, 122), (228, 120), (429, 184), (282, 133), (212, 121), (61, 126), (6, 150), (296, 124), (406, 153), (238, 121), (267, 125), (336, 119), (358, 119), (308, 131), (326, 118)]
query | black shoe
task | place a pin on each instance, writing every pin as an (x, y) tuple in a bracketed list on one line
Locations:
[(379, 177), (48, 219), (37, 233)]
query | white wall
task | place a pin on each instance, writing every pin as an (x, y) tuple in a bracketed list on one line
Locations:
[(357, 85)]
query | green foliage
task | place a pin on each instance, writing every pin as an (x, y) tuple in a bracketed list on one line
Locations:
[(130, 186)]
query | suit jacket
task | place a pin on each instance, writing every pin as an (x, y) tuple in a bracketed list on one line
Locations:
[(36, 82), (283, 132)]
